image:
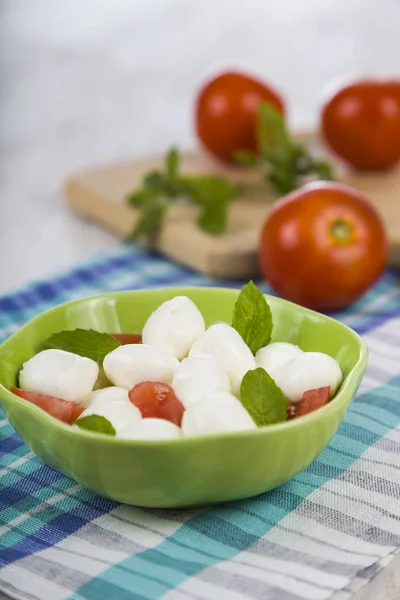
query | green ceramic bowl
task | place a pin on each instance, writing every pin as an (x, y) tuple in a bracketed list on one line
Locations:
[(194, 471)]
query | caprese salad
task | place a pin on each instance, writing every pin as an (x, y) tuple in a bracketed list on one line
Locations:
[(178, 378)]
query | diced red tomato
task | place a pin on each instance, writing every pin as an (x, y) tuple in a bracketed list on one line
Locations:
[(313, 399), (60, 409), (127, 338), (157, 401)]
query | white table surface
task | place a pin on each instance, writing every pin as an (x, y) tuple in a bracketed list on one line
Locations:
[(84, 82)]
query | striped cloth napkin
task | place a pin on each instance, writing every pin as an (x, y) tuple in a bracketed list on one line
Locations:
[(322, 535)]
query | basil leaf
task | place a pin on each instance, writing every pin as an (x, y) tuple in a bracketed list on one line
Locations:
[(262, 398), (252, 317), (85, 342), (95, 423)]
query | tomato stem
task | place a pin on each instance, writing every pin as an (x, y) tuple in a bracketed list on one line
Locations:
[(341, 230)]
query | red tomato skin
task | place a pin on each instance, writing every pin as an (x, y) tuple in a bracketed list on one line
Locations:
[(127, 338), (312, 400), (226, 112), (361, 124), (157, 401), (394, 86), (60, 409), (305, 262)]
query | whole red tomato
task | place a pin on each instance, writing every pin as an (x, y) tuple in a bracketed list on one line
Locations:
[(361, 123), (226, 111), (323, 246)]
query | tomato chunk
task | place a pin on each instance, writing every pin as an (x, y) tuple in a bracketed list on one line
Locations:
[(64, 411), (127, 338), (313, 399), (157, 401)]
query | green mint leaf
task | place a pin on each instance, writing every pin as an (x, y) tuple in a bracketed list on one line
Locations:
[(262, 398), (245, 158), (302, 160), (159, 189), (252, 317), (95, 423), (155, 182), (172, 163), (324, 170), (210, 189), (271, 131), (149, 222), (141, 196), (285, 163), (85, 342), (213, 195), (281, 182), (213, 218)]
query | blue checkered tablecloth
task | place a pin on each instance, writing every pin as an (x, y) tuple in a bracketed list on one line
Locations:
[(322, 535)]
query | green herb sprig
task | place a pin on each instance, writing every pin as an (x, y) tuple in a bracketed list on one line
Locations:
[(159, 189), (284, 163)]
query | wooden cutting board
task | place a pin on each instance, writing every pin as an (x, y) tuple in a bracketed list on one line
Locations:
[(99, 195)]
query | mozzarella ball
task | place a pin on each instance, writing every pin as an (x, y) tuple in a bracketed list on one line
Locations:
[(227, 346), (152, 429), (174, 326), (198, 376), (217, 413), (61, 374), (109, 394), (120, 413), (309, 371), (134, 363), (275, 355)]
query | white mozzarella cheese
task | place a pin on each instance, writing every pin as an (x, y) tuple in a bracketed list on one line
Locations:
[(174, 326), (275, 355), (217, 413), (309, 371), (61, 374), (120, 413), (108, 394), (227, 346), (134, 363), (198, 376), (152, 429)]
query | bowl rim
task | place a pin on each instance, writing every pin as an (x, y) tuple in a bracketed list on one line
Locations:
[(320, 414)]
